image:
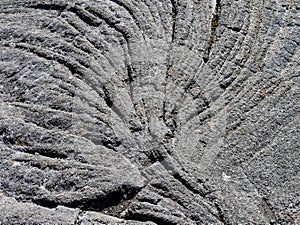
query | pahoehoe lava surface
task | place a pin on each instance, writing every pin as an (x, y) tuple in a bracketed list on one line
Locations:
[(149, 112)]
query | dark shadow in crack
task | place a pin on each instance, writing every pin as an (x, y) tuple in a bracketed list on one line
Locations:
[(98, 203)]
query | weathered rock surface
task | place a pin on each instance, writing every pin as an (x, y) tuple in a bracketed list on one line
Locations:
[(149, 112)]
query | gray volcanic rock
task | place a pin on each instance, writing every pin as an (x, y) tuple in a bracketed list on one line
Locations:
[(149, 112)]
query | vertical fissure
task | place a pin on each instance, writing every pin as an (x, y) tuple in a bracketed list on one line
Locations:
[(214, 24), (174, 15)]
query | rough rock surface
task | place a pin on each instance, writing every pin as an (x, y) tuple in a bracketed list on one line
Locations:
[(149, 112)]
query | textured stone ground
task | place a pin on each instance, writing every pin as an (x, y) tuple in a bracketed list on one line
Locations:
[(149, 112)]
